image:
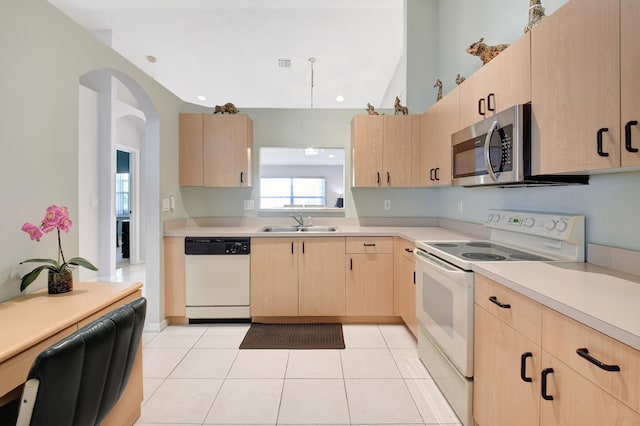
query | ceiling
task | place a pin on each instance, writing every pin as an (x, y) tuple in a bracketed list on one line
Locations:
[(229, 50)]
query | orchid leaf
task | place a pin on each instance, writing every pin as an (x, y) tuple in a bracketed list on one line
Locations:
[(79, 261), (31, 276), (49, 261)]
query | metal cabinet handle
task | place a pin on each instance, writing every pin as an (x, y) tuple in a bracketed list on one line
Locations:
[(491, 96), (584, 353), (241, 177), (351, 264), (543, 385), (408, 250), (627, 136), (601, 153), (494, 299), (431, 174), (388, 178), (481, 106), (523, 367), (369, 244), (378, 173), (291, 247), (436, 173), (303, 247)]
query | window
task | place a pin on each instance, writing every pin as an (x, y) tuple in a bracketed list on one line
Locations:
[(122, 194), (287, 192)]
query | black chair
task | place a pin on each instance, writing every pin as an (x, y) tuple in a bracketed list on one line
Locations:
[(77, 381)]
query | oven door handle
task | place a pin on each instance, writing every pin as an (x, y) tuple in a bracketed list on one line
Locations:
[(424, 257), (487, 143)]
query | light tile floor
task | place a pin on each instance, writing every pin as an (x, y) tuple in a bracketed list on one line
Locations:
[(196, 375)]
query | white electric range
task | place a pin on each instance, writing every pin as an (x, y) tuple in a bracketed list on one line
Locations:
[(445, 288)]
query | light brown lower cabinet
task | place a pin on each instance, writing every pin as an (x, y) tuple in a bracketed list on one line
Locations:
[(547, 382), (298, 276), (369, 277), (404, 285)]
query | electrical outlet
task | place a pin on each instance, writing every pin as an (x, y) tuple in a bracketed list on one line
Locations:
[(387, 204), (248, 204)]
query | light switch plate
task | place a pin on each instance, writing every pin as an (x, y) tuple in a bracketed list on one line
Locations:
[(248, 205)]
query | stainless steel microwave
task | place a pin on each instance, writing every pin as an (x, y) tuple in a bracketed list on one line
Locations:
[(497, 151)]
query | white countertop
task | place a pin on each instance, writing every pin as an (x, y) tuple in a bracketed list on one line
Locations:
[(411, 233), (602, 298)]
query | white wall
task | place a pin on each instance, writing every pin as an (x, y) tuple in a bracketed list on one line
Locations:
[(88, 193), (46, 53)]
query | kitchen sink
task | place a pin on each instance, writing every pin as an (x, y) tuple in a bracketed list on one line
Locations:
[(299, 229)]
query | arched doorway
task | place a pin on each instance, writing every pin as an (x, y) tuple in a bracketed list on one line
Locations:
[(101, 106)]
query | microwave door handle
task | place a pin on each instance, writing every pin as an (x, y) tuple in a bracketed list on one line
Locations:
[(487, 158)]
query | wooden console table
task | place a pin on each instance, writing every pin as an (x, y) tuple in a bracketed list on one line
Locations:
[(31, 323)]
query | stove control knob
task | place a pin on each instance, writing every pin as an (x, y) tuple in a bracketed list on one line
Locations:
[(529, 222), (550, 225), (561, 226)]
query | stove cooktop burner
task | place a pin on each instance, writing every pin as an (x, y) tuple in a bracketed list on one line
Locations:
[(483, 244), (482, 256)]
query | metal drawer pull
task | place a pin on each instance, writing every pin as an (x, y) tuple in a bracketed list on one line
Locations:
[(584, 353), (523, 367), (627, 136), (494, 299), (369, 244), (408, 250), (543, 386), (601, 153)]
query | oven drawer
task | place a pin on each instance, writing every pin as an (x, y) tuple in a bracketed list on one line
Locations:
[(517, 311), (562, 337), (369, 245)]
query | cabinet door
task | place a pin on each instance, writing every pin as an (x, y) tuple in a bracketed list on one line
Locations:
[(447, 123), (630, 81), (396, 152), (227, 150), (369, 284), (404, 289), (367, 133), (577, 401), (274, 277), (428, 136), (575, 88), (191, 149), (322, 276), (500, 396), (175, 301)]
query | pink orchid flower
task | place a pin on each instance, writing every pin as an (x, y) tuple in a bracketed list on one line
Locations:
[(52, 218), (32, 230)]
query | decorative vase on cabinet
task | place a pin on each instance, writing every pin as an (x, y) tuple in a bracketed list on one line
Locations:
[(60, 282)]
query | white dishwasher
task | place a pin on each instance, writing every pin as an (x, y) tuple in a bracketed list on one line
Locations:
[(217, 278)]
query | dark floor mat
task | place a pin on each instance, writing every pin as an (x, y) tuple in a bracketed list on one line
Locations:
[(294, 336)]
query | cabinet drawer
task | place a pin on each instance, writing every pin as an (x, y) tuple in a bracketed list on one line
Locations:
[(563, 336), (369, 244), (519, 312), (404, 248)]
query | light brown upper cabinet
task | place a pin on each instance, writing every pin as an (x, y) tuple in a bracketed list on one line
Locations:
[(215, 150), (630, 101), (438, 124), (575, 78), (382, 150), (498, 85)]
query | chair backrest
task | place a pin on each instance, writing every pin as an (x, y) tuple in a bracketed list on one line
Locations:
[(78, 380)]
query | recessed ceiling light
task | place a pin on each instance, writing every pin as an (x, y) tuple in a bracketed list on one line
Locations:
[(152, 59), (340, 98), (201, 98)]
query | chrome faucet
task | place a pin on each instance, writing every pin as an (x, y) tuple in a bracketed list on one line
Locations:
[(299, 219)]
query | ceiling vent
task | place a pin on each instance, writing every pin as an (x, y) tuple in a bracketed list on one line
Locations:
[(284, 63)]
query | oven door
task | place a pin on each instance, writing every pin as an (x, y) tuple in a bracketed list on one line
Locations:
[(444, 299)]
